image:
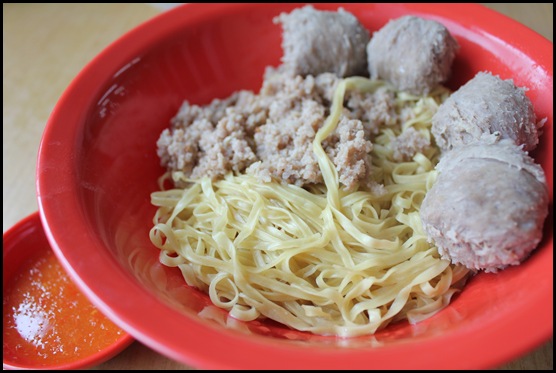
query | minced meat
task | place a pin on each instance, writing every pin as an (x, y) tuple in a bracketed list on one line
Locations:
[(270, 134), (409, 143)]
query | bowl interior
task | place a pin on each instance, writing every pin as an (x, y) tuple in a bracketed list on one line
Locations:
[(98, 166)]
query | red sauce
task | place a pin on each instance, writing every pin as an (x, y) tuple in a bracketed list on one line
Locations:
[(48, 321)]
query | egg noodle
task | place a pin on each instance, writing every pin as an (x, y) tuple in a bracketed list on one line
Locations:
[(318, 259)]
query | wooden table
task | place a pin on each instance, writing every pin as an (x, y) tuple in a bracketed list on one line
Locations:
[(46, 45)]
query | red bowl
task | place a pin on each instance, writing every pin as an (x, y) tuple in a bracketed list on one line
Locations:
[(24, 245), (97, 166)]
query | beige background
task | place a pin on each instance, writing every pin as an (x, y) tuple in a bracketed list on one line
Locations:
[(46, 45)]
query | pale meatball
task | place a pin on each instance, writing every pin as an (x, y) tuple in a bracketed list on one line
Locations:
[(316, 42), (412, 53), (487, 207), (486, 109)]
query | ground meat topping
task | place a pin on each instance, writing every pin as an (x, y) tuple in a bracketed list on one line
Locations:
[(270, 134), (409, 143), (374, 110), (350, 152)]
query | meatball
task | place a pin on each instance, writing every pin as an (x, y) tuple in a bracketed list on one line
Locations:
[(487, 207), (486, 109), (316, 42), (412, 53)]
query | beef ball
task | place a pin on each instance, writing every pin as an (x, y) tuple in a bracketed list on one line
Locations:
[(316, 42), (486, 109), (487, 207), (412, 53)]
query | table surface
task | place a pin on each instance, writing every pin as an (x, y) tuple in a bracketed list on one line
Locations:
[(46, 45)]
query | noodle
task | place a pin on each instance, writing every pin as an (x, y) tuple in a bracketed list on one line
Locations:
[(320, 259)]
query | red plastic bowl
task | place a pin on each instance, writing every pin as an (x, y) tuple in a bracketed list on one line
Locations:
[(23, 245), (98, 165)]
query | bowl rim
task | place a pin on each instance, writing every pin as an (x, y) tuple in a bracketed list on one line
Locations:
[(59, 206)]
